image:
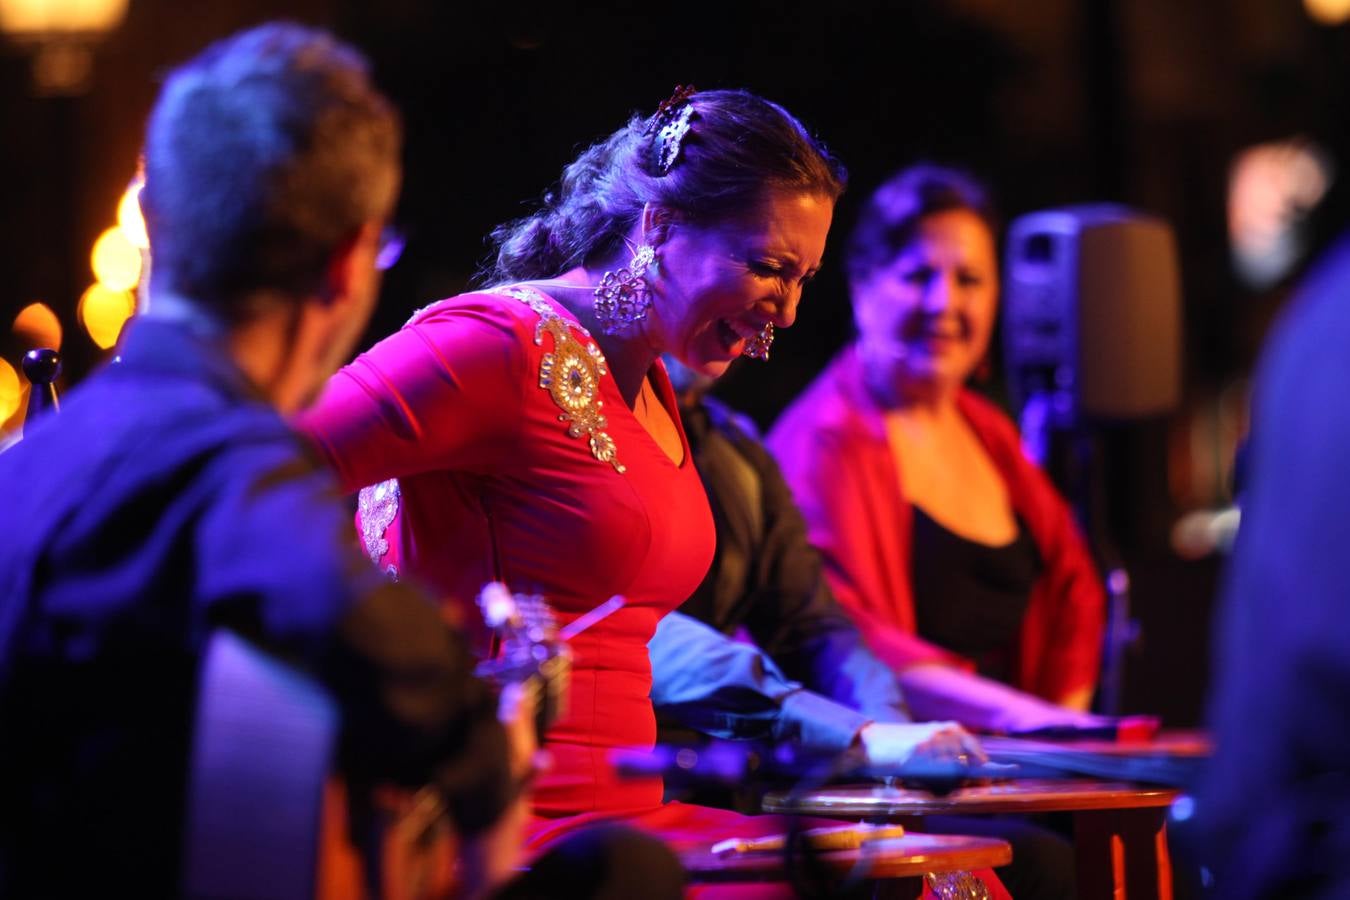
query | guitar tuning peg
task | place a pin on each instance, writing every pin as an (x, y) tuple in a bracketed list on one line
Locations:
[(536, 616), (498, 605)]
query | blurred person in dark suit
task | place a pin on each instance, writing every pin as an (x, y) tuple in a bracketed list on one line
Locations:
[(1272, 814), (170, 499)]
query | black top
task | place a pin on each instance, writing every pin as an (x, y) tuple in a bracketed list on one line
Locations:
[(165, 499), (970, 597)]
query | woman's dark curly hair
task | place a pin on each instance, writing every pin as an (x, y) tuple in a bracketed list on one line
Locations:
[(890, 219), (738, 147)]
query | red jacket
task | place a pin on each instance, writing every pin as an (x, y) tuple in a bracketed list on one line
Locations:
[(831, 443)]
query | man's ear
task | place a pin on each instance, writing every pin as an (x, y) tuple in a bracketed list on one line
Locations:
[(656, 224), (346, 260)]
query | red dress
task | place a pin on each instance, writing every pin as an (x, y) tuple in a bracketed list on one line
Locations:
[(493, 484), (517, 459)]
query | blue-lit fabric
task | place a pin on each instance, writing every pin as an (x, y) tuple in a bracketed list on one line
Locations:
[(808, 676), (169, 498), (1272, 814)]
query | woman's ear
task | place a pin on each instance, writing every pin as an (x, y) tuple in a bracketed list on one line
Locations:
[(656, 224)]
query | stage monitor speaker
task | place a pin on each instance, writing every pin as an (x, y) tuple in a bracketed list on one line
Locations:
[(1092, 311)]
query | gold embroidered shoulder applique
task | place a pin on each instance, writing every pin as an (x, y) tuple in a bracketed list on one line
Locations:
[(571, 374)]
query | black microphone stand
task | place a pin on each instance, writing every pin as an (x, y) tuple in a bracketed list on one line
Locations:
[(1059, 442), (41, 367)]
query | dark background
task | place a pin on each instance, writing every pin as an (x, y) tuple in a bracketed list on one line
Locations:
[(1053, 101)]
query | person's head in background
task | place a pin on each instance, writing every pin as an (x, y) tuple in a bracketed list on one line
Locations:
[(923, 272), (272, 165), (689, 385), (733, 196)]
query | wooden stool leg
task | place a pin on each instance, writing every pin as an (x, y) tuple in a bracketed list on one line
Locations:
[(1098, 854), (1148, 867), (1122, 854)]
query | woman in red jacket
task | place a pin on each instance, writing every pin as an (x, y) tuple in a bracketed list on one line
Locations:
[(951, 549)]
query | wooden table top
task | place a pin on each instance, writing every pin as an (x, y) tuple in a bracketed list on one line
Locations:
[(1026, 796), (904, 857)]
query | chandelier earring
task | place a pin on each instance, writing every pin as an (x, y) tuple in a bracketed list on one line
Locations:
[(623, 297), (758, 346)]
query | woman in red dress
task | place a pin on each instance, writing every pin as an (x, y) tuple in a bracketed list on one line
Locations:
[(527, 433)]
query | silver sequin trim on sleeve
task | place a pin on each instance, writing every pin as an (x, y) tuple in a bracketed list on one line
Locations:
[(378, 505)]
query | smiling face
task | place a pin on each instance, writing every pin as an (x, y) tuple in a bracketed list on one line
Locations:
[(718, 285), (925, 319)]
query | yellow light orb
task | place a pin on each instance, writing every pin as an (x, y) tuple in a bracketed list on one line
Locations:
[(37, 326), (11, 391), (103, 312), (44, 17), (116, 263), (1328, 12), (129, 218)]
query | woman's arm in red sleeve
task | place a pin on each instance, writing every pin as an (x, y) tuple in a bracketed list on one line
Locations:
[(444, 392), (902, 650)]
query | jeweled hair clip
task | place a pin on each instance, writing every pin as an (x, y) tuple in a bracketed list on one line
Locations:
[(670, 123)]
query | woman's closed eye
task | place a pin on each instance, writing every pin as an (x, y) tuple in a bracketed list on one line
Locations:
[(768, 268)]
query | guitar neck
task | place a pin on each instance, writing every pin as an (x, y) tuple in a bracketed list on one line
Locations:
[(1145, 764)]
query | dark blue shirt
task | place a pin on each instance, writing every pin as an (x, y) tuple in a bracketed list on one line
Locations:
[(1273, 813), (165, 500)]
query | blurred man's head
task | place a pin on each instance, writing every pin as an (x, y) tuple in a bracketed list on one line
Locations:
[(272, 165), (688, 384), (263, 156)]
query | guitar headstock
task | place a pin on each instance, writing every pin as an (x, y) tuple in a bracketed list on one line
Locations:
[(531, 653), (517, 618)]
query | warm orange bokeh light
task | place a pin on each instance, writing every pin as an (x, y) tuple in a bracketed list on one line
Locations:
[(11, 391), (1328, 12), (1272, 188), (103, 312), (43, 17), (129, 217), (37, 326), (116, 262)]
